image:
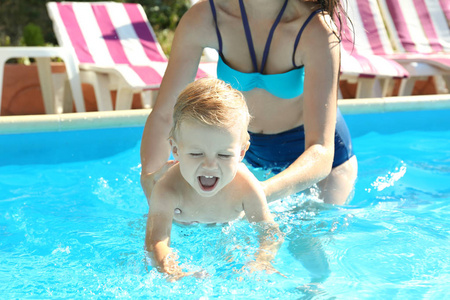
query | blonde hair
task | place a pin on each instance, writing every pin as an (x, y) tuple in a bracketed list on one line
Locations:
[(212, 102)]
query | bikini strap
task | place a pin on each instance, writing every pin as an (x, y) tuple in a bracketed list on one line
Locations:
[(269, 38), (297, 40), (248, 35), (219, 36)]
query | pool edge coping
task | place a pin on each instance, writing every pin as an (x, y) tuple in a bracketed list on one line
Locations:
[(137, 117), (73, 121), (394, 104)]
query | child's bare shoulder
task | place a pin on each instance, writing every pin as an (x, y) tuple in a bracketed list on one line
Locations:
[(244, 171), (246, 181)]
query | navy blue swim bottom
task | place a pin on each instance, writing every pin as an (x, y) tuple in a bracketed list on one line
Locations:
[(278, 151)]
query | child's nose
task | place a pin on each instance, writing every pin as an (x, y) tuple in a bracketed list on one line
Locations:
[(209, 163)]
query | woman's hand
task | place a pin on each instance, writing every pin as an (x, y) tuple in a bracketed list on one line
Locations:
[(160, 173), (149, 180)]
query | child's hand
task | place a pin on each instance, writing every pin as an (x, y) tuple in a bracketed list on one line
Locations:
[(178, 275), (172, 277), (175, 272), (261, 265)]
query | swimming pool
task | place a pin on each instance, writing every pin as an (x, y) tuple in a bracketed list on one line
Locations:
[(72, 220)]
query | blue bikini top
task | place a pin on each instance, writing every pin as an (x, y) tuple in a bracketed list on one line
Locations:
[(284, 85)]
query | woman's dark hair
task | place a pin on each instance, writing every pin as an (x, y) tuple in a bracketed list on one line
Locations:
[(336, 10), (331, 6)]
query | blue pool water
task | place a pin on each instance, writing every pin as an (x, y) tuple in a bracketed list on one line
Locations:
[(72, 221)]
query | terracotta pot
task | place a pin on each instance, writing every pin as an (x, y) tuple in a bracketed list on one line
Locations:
[(22, 92)]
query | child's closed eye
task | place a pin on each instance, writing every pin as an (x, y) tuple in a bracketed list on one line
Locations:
[(225, 156), (196, 154)]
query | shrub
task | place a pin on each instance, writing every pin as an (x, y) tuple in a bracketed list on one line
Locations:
[(32, 35), (164, 14)]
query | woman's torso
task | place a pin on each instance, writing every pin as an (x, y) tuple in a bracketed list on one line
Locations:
[(271, 114)]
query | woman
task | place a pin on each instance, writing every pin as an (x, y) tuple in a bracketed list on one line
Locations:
[(284, 56)]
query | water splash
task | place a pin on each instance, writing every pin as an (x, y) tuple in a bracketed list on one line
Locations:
[(383, 182)]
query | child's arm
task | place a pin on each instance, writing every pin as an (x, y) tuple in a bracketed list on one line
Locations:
[(157, 237), (270, 236)]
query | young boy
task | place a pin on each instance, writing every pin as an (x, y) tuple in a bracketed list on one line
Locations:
[(210, 184)]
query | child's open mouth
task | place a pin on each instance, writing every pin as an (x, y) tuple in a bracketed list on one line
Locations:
[(207, 183)]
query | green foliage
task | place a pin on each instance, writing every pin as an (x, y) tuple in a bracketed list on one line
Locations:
[(16, 14), (32, 35), (164, 14), (165, 38)]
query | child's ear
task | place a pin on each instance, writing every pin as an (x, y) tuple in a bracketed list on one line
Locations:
[(174, 148), (244, 150)]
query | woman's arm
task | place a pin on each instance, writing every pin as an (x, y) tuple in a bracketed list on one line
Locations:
[(320, 55), (188, 43)]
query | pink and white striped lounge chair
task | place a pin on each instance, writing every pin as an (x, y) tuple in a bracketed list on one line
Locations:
[(420, 33), (363, 58), (115, 47)]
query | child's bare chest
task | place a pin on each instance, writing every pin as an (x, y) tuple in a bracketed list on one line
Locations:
[(213, 211)]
